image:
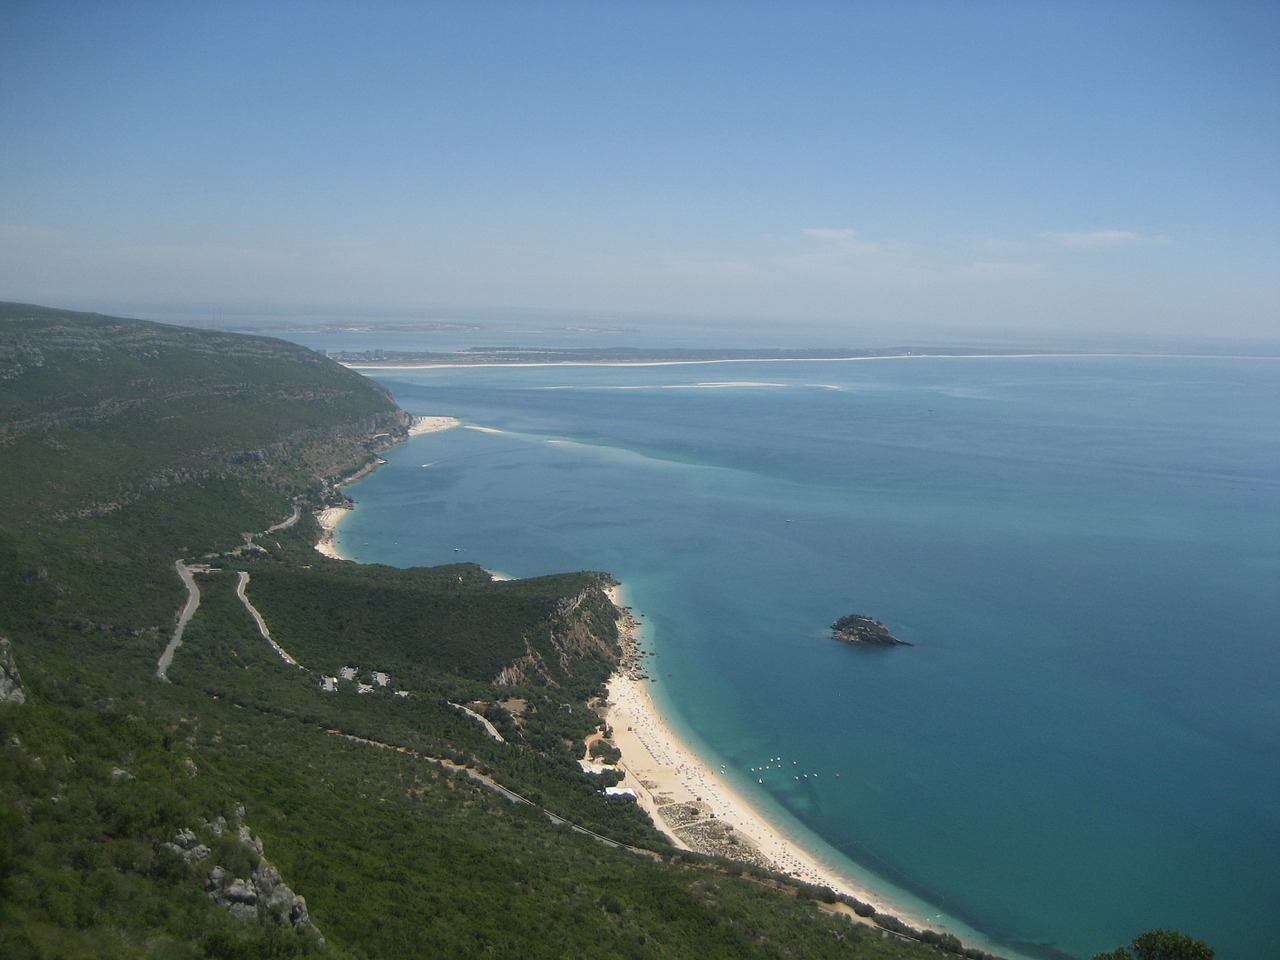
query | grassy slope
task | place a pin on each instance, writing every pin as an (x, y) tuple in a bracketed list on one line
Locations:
[(124, 446)]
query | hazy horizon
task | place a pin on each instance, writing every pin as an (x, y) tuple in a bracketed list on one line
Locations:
[(817, 173), (427, 330)]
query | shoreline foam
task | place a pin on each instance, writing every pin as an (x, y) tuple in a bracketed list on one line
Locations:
[(700, 810)]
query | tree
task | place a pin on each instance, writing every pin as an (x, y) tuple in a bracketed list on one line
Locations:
[(1161, 945)]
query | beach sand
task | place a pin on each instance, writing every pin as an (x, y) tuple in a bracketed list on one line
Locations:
[(691, 804), (697, 809), (423, 425), (331, 517)]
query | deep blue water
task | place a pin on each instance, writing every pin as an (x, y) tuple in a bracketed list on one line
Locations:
[(1084, 741)]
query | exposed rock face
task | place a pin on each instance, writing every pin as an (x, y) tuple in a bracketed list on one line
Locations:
[(188, 846), (10, 683), (265, 890), (237, 895), (246, 898), (582, 627), (859, 629)]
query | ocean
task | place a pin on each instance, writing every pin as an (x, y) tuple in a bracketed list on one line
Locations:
[(1082, 742)]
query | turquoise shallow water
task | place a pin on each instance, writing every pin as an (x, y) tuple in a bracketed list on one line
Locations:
[(1084, 741)]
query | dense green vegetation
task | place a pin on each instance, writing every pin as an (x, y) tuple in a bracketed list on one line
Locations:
[(1161, 945), (126, 446)]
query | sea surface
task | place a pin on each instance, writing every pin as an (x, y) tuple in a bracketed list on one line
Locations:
[(1083, 741)]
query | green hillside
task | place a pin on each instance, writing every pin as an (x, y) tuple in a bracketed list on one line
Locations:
[(235, 807)]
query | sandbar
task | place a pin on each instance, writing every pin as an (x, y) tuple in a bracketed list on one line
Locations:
[(445, 364)]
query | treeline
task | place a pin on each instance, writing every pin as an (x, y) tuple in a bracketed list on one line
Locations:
[(447, 620)]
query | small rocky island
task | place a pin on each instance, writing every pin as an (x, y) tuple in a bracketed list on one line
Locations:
[(859, 629)]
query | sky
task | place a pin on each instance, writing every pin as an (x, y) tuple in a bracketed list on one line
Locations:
[(1089, 167)]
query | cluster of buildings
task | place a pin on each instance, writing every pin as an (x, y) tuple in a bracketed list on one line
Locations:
[(356, 356), (350, 674)]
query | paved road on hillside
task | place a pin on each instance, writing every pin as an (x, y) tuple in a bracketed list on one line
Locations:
[(193, 602), (241, 583)]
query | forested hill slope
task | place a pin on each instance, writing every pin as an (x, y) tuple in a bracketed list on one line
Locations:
[(305, 776), (125, 445), (95, 411)]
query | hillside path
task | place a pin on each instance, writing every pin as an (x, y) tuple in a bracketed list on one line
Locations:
[(490, 784)]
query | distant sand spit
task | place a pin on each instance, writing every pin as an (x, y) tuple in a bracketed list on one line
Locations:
[(445, 364), (423, 425)]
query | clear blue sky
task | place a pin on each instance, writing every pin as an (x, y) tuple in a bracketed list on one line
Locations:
[(1087, 166)]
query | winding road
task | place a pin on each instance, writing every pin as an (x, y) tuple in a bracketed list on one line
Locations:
[(193, 603), (490, 784), (243, 582)]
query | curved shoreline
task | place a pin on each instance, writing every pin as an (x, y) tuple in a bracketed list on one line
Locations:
[(665, 772), (330, 518)]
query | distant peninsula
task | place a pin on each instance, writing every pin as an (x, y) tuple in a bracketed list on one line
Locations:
[(855, 628), (538, 356)]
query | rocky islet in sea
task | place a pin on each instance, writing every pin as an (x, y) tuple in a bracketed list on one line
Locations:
[(855, 628)]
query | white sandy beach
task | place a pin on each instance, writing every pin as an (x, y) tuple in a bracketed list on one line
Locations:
[(665, 773), (663, 770), (329, 518), (423, 425)]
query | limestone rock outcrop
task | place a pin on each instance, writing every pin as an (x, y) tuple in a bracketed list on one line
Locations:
[(10, 683), (247, 898)]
